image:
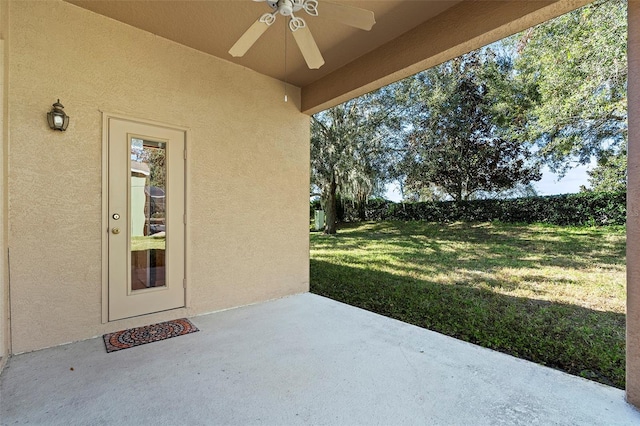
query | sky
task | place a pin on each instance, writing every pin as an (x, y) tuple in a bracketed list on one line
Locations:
[(550, 184)]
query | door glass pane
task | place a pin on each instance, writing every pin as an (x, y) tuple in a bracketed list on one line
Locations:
[(148, 225)]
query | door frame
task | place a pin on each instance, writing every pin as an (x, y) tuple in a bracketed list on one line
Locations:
[(104, 220)]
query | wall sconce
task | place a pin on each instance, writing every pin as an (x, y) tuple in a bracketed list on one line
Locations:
[(57, 118)]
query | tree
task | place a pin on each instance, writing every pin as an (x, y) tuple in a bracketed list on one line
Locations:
[(459, 142), (610, 174), (577, 67), (156, 159), (418, 193), (351, 146)]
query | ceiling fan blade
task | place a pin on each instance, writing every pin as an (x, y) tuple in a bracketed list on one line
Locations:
[(247, 39), (308, 47), (348, 15)]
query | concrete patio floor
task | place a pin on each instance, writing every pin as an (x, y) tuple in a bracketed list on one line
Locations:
[(299, 360)]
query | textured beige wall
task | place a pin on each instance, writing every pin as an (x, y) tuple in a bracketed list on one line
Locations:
[(4, 288), (248, 168), (633, 208), (5, 344)]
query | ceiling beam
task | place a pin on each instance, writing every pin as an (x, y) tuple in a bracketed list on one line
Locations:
[(461, 29)]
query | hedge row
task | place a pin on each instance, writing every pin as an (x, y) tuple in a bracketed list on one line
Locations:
[(587, 208)]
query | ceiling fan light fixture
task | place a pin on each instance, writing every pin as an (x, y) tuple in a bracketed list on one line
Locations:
[(296, 23), (349, 15), (311, 7), (268, 18)]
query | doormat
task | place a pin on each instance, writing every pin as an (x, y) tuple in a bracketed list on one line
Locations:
[(126, 339)]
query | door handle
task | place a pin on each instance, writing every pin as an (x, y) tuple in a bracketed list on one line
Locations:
[(115, 230)]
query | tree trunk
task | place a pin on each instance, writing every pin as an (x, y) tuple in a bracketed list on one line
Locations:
[(330, 211), (362, 208)]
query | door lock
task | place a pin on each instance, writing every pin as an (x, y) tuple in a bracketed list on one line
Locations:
[(116, 216), (115, 230)]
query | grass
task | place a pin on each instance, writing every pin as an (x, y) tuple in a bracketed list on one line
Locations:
[(147, 243), (550, 294)]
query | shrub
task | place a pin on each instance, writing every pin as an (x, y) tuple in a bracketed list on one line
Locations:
[(585, 208)]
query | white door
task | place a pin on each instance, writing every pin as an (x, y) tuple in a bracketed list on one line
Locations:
[(146, 218)]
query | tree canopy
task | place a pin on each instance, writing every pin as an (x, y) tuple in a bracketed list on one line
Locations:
[(610, 174), (575, 70), (460, 141), (484, 123)]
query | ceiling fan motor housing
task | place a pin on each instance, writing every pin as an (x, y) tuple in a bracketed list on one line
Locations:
[(286, 7)]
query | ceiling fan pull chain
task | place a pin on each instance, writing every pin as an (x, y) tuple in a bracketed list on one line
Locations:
[(285, 64), (311, 7), (296, 23)]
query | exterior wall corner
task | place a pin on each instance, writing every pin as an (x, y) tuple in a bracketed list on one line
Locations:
[(633, 208)]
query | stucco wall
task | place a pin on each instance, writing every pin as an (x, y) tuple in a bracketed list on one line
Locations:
[(248, 170), (4, 287), (4, 282)]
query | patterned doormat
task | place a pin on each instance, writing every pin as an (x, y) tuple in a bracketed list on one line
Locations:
[(126, 339)]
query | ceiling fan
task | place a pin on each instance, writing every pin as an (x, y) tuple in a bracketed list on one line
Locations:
[(349, 15)]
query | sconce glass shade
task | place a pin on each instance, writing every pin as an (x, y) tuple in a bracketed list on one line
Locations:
[(57, 118)]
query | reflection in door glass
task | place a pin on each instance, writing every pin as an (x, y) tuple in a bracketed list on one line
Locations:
[(148, 224)]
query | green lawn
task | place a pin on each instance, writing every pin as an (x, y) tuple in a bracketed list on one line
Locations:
[(147, 243), (550, 294)]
